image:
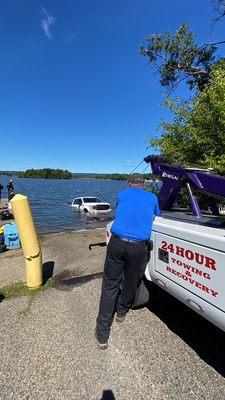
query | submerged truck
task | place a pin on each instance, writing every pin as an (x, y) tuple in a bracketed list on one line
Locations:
[(188, 244)]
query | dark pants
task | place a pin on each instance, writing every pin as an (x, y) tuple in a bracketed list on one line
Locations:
[(123, 260), (10, 195)]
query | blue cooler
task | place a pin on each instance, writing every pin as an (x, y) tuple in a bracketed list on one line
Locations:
[(11, 235)]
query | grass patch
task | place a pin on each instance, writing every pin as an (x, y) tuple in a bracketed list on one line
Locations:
[(20, 289)]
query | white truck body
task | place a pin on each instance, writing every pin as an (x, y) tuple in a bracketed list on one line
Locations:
[(188, 261)]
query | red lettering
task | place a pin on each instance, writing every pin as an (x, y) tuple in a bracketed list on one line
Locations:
[(186, 266), (164, 245), (199, 258), (210, 263), (189, 254), (174, 260), (172, 270), (192, 281), (196, 271), (213, 293), (171, 248), (206, 276), (205, 288), (180, 251)]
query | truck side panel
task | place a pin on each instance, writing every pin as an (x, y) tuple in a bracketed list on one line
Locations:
[(192, 273), (208, 311), (198, 269)]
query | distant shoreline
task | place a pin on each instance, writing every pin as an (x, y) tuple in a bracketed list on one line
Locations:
[(74, 176)]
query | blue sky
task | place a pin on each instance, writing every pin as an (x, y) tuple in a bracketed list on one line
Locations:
[(75, 94)]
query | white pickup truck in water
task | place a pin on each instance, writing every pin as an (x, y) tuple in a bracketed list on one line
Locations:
[(90, 205), (188, 255)]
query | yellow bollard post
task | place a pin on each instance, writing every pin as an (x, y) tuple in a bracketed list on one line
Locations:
[(29, 241)]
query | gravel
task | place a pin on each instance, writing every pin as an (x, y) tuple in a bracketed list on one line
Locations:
[(48, 351)]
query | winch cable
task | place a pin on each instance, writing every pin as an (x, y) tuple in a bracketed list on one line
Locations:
[(145, 169), (136, 167), (119, 183)]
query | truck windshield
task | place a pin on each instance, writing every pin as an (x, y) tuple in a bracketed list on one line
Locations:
[(91, 200)]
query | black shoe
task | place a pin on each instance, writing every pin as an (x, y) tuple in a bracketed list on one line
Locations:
[(102, 343), (120, 318)]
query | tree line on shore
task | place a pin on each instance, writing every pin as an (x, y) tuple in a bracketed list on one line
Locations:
[(49, 173), (10, 173), (116, 176), (46, 173)]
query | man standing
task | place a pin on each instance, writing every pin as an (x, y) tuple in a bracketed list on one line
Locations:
[(10, 190), (127, 254), (1, 187)]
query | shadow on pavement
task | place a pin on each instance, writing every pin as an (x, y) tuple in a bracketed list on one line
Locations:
[(203, 337), (48, 268), (108, 395), (1, 297), (68, 279)]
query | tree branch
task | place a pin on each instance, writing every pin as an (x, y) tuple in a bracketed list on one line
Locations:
[(219, 7)]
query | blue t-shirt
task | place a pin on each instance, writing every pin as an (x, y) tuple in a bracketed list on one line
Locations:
[(135, 212)]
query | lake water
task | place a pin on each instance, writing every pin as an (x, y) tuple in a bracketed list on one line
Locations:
[(49, 200)]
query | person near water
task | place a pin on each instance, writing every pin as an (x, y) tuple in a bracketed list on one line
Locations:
[(127, 255), (10, 188), (1, 187)]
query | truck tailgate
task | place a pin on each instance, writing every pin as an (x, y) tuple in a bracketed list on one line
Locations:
[(199, 269)]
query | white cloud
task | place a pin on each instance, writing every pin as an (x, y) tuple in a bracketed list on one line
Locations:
[(130, 161), (110, 157), (46, 23)]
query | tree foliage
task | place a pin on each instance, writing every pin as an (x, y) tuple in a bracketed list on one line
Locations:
[(46, 173), (178, 58), (123, 177), (196, 137)]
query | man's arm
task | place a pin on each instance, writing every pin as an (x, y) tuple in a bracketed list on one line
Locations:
[(157, 209)]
